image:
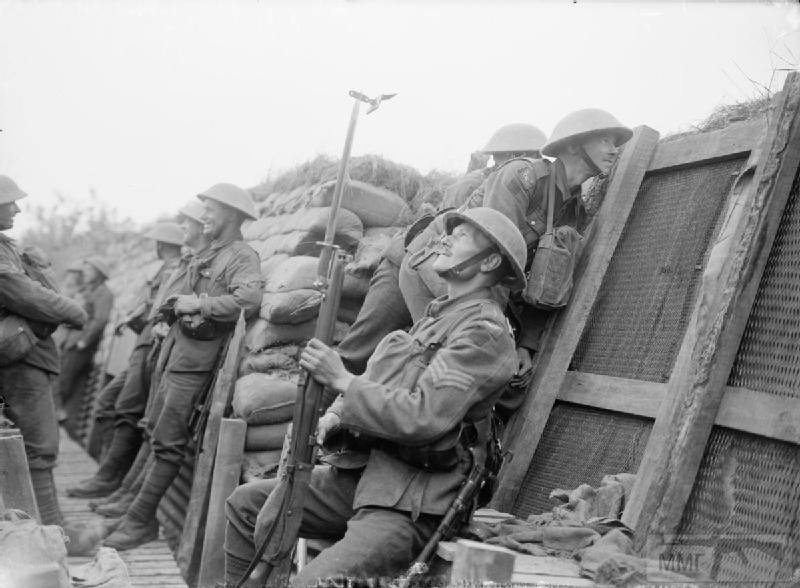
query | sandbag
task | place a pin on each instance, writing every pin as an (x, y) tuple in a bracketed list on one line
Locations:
[(300, 272), (265, 437), (301, 243), (292, 307), (372, 248), (263, 334), (276, 358), (269, 264), (258, 465), (375, 206), (32, 554), (259, 399), (348, 225)]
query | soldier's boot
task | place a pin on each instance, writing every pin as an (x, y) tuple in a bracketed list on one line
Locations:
[(139, 525), (132, 479), (44, 489), (118, 459)]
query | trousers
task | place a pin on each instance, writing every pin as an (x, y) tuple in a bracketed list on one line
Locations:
[(171, 434), (27, 391), (128, 404), (370, 542)]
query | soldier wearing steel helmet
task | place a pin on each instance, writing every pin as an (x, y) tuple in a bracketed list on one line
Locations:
[(27, 291), (219, 283), (79, 346), (121, 403), (190, 219), (584, 144), (507, 142), (423, 403)]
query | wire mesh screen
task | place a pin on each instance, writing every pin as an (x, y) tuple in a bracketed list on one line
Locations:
[(580, 445), (647, 296), (741, 519), (769, 353)]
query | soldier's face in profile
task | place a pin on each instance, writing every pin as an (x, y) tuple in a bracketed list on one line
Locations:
[(602, 150), (7, 213), (215, 217), (192, 230)]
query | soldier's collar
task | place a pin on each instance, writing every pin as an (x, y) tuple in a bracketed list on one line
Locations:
[(219, 244), (443, 304)]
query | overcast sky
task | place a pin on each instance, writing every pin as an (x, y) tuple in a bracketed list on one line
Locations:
[(147, 103)]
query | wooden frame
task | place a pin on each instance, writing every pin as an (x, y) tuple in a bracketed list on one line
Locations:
[(730, 281), (696, 396)]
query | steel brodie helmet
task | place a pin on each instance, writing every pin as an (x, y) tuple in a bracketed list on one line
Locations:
[(9, 191), (193, 210), (166, 232), (232, 196), (100, 265), (581, 125), (514, 138), (502, 232)]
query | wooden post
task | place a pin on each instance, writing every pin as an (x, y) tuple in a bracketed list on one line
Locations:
[(527, 426), (227, 472), (16, 489), (191, 545), (730, 282), (475, 563)]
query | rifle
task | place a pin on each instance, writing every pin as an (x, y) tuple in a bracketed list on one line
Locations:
[(453, 519), (286, 501)]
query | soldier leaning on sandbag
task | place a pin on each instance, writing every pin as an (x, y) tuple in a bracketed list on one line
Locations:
[(196, 242), (79, 346), (507, 142), (121, 404), (219, 283), (30, 309)]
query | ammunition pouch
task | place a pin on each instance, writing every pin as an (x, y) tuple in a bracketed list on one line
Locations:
[(200, 329), (17, 339)]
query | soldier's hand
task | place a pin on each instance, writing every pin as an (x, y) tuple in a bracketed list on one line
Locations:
[(160, 330), (187, 304), (327, 425), (524, 375), (325, 365)]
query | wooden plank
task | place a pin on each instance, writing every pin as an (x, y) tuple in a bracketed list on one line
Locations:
[(760, 413), (751, 411), (227, 472), (610, 393), (729, 285), (15, 478), (735, 140), (191, 544), (528, 423)]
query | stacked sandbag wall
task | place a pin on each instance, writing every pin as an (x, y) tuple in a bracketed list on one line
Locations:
[(287, 237)]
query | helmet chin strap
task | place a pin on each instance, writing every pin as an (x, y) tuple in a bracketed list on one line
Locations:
[(454, 273), (588, 161)]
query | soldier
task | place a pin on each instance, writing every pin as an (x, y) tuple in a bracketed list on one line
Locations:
[(425, 399), (585, 143), (191, 221), (80, 346), (219, 282), (119, 408), (27, 291), (507, 142)]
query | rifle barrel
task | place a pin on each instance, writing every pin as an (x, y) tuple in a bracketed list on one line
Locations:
[(330, 229)]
